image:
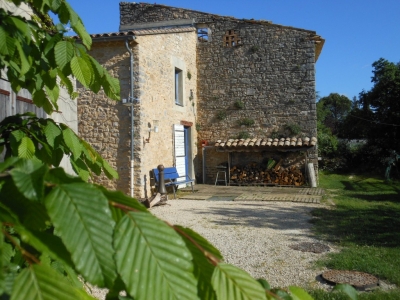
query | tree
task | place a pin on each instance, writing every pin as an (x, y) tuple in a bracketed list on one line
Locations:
[(382, 106), (332, 110), (327, 142), (55, 226)]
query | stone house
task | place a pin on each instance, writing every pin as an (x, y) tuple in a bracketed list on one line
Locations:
[(205, 90)]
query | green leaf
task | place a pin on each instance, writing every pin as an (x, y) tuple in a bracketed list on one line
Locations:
[(7, 250), (40, 99), (51, 44), (64, 52), (230, 282), (36, 217), (190, 235), (25, 65), (15, 140), (11, 203), (72, 276), (58, 155), (39, 83), (53, 93), (81, 216), (281, 294), (72, 142), (81, 31), (109, 171), (81, 71), (7, 44), (26, 148), (63, 13), (49, 244), (111, 86), (203, 268), (21, 26), (40, 282), (98, 72), (5, 256), (299, 294), (10, 279), (58, 176), (51, 131), (97, 67), (81, 169), (117, 197), (149, 269), (55, 5), (8, 163), (66, 82), (347, 289), (90, 153), (265, 284), (45, 153), (30, 183)]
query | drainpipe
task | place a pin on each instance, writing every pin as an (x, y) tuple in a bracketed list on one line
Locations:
[(131, 101)]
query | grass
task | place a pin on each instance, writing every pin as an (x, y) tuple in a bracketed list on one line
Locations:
[(365, 222), (377, 295)]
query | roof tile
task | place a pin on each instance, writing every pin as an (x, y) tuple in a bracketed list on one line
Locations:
[(258, 144)]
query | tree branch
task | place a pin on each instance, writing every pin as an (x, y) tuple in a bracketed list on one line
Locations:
[(28, 256)]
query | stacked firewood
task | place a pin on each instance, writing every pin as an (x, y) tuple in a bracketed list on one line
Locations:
[(270, 174)]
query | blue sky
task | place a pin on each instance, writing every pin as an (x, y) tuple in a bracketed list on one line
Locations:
[(357, 32)]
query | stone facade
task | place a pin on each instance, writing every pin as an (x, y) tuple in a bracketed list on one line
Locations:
[(105, 124), (255, 78), (157, 57)]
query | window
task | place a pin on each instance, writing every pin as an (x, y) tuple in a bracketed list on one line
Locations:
[(232, 38), (203, 34), (178, 87)]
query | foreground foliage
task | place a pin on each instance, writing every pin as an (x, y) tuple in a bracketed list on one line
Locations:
[(27, 136), (364, 222), (38, 57)]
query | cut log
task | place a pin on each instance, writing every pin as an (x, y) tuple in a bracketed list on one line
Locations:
[(255, 173)]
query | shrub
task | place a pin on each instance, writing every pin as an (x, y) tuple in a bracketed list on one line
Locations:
[(221, 115), (293, 129), (239, 104), (243, 135), (246, 122)]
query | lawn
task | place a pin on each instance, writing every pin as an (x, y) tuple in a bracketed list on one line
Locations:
[(363, 218)]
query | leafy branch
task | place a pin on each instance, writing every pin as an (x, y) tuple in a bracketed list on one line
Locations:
[(27, 136), (39, 59)]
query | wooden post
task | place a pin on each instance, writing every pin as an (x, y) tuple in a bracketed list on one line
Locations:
[(161, 183)]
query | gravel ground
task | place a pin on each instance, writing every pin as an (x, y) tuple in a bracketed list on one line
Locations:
[(254, 236)]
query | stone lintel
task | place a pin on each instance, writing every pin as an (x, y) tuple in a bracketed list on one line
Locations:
[(184, 22)]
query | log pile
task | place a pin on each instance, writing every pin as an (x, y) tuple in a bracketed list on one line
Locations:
[(270, 174)]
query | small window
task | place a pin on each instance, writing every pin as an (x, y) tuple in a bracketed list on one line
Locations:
[(178, 87), (203, 35), (232, 38)]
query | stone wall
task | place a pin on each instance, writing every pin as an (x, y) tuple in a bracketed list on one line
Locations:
[(105, 123), (263, 86), (158, 56)]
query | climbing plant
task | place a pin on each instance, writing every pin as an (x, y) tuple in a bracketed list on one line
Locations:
[(59, 232)]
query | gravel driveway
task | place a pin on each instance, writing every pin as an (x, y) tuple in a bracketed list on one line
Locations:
[(254, 236)]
